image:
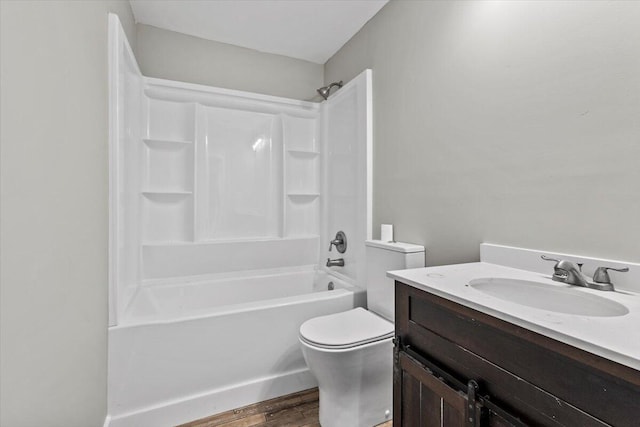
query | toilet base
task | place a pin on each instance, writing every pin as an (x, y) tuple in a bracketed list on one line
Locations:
[(356, 384)]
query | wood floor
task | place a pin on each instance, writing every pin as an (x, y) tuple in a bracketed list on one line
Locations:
[(294, 410)]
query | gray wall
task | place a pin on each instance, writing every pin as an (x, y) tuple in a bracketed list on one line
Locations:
[(175, 56), (505, 122), (54, 219)]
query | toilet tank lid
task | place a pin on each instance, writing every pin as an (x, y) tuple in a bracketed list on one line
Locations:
[(406, 248)]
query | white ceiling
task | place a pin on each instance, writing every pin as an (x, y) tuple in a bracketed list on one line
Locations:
[(306, 29)]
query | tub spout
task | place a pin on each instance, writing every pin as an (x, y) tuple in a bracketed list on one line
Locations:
[(335, 262)]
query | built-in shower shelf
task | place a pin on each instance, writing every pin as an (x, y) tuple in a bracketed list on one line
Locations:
[(165, 143), (171, 194), (164, 243), (303, 153), (303, 195)]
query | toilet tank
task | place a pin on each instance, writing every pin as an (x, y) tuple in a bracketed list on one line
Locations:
[(383, 257)]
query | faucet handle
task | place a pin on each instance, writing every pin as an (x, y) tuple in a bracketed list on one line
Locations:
[(340, 242), (546, 258), (335, 242), (559, 274), (602, 275)]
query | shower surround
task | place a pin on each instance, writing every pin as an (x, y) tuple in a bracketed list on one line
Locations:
[(222, 205)]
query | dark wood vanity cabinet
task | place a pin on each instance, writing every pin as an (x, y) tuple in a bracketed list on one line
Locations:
[(455, 366)]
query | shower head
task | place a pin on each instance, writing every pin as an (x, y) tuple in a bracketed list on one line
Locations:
[(326, 90)]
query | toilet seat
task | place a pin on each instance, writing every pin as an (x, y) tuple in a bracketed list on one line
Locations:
[(346, 330)]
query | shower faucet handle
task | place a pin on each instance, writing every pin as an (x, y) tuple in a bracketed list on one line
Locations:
[(340, 242)]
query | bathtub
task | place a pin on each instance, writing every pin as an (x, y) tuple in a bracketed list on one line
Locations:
[(205, 345)]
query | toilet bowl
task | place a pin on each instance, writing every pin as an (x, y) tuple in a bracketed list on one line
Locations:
[(351, 353)]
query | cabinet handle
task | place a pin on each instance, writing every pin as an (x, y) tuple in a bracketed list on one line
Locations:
[(472, 390)]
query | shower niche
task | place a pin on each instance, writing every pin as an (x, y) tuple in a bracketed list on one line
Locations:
[(302, 175), (167, 170)]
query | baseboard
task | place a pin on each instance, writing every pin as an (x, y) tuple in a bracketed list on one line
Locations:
[(202, 405)]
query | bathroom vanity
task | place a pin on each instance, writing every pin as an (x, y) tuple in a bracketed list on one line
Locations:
[(463, 356)]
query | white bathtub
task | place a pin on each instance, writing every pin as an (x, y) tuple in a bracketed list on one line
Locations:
[(187, 350)]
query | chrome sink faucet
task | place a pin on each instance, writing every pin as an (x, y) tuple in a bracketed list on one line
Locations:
[(567, 272)]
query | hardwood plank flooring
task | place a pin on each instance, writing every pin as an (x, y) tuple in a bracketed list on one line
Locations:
[(294, 410)]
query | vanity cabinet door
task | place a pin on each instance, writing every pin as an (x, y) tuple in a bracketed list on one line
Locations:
[(427, 400), (422, 397)]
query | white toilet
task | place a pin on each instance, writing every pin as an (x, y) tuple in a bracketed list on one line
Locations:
[(351, 353)]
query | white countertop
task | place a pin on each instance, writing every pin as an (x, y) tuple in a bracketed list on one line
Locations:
[(616, 338)]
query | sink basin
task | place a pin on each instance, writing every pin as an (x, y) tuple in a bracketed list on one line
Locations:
[(559, 299)]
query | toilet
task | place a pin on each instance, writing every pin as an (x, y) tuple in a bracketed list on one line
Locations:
[(351, 353)]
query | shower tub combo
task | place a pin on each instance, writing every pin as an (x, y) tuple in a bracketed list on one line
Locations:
[(220, 204), (186, 350)]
